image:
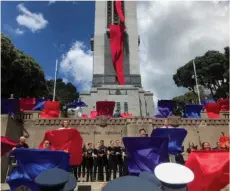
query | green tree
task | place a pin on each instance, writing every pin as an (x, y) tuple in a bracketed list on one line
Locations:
[(212, 73), (21, 74), (65, 92), (189, 98)]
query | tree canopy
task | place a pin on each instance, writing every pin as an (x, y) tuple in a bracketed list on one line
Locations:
[(65, 92), (212, 73), (23, 76)]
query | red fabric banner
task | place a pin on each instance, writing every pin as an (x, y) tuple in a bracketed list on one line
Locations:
[(7, 145), (126, 115), (211, 170), (68, 140), (51, 110), (213, 110), (27, 104), (105, 108), (119, 10), (117, 50), (224, 104)]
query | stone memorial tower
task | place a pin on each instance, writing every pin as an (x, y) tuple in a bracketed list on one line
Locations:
[(116, 65)]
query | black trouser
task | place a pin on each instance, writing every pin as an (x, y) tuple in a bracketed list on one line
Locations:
[(125, 167), (112, 167), (89, 167), (103, 164), (74, 170), (119, 167), (95, 168), (81, 169)]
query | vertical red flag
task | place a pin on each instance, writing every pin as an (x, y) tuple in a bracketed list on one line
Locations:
[(68, 140), (117, 50), (119, 10), (211, 170)]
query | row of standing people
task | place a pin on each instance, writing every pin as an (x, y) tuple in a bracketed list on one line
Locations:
[(101, 160)]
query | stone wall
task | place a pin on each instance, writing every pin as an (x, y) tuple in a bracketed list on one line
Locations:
[(94, 130)]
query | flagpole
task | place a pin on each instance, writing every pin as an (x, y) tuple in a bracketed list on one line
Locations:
[(197, 86), (55, 78)]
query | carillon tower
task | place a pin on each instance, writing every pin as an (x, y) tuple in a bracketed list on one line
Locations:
[(116, 64)]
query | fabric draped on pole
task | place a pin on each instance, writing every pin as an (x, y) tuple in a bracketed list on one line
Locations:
[(213, 110), (211, 170), (207, 100), (119, 10), (40, 104), (7, 145), (76, 103), (51, 109), (165, 108), (193, 110), (68, 140), (176, 138), (145, 153), (10, 106), (27, 104), (224, 104), (31, 162), (117, 50), (105, 108)]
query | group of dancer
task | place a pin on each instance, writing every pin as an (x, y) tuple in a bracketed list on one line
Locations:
[(101, 160)]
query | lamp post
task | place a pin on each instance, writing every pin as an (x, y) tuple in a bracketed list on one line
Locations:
[(197, 86)]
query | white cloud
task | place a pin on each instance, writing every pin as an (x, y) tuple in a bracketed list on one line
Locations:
[(13, 31), (65, 80), (78, 63), (32, 21), (171, 34)]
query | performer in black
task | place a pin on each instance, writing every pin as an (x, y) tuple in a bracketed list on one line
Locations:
[(95, 160), (83, 164), (125, 163), (118, 159), (102, 162), (112, 160), (89, 163)]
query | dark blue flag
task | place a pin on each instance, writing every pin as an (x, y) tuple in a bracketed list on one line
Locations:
[(144, 153), (193, 110), (31, 162), (176, 138)]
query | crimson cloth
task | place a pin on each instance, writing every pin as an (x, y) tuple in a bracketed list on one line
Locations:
[(211, 170), (68, 140), (51, 110), (27, 103), (119, 10), (105, 108), (117, 50), (7, 145), (213, 110)]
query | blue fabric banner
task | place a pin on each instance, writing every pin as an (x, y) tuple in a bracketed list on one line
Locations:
[(10, 106), (176, 138), (145, 153), (39, 105), (193, 110), (76, 103), (165, 108), (207, 100), (31, 162)]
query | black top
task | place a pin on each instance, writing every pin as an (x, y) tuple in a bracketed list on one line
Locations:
[(89, 153), (118, 152), (102, 151), (23, 145), (112, 154)]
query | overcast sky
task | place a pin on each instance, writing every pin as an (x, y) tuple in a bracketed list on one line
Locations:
[(172, 33)]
